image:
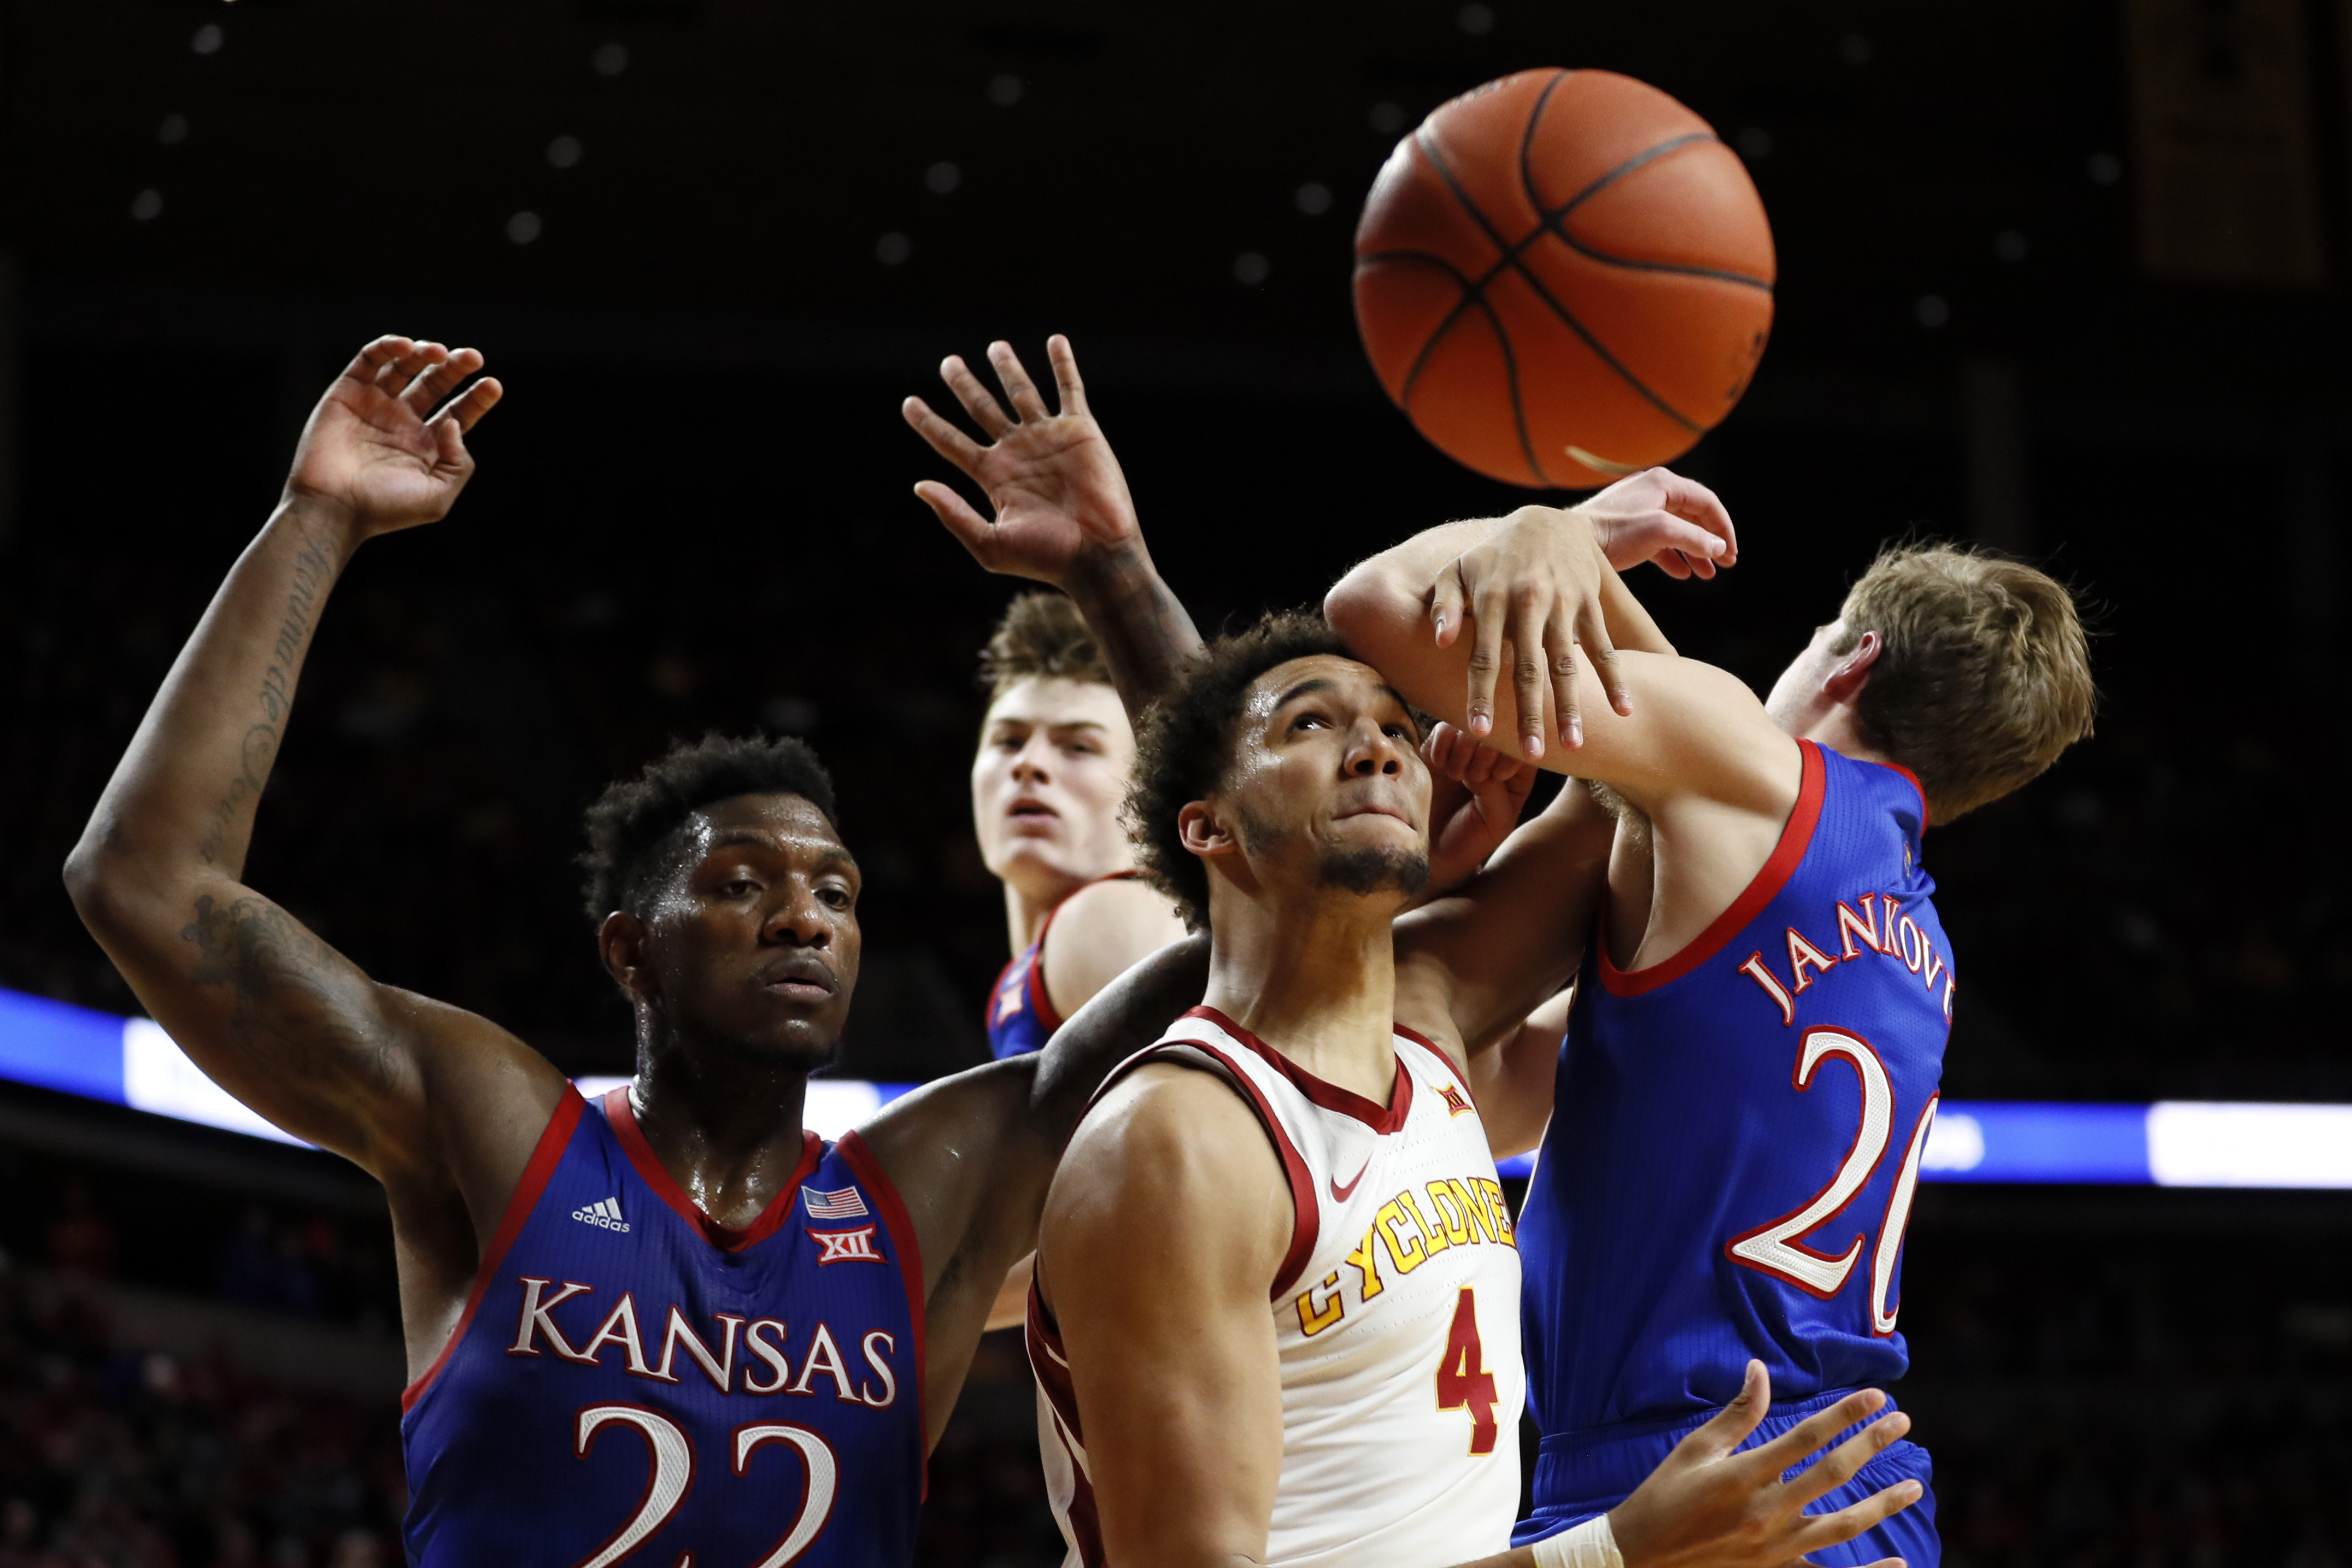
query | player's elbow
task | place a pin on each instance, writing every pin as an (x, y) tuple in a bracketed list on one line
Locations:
[(1371, 607), (107, 886)]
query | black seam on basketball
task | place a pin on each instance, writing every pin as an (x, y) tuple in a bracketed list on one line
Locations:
[(1478, 292), (1511, 378), (1680, 269), (1510, 260), (1429, 347), (1470, 292), (1555, 222), (1428, 145), (1648, 155)]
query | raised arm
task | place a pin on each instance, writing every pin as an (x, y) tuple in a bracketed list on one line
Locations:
[(1684, 729), (1533, 605), (268, 1010), (1063, 513)]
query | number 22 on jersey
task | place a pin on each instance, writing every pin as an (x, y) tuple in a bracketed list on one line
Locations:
[(1776, 1249), (1463, 1381)]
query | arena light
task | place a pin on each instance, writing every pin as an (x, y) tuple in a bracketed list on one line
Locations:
[(131, 1061)]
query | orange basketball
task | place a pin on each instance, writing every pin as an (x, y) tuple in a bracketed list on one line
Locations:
[(1564, 276)]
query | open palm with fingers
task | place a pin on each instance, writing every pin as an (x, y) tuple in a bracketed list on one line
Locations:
[(1059, 499), (375, 448)]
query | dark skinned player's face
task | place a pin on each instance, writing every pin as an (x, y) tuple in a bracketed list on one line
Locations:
[(748, 945)]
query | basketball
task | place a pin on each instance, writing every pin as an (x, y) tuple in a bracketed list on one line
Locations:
[(1564, 276)]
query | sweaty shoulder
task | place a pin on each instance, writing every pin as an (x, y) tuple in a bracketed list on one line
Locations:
[(1099, 933), (1171, 1163)]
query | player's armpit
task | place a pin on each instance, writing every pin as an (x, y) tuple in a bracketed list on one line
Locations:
[(1472, 964), (1514, 1081), (1166, 1223), (1098, 934)]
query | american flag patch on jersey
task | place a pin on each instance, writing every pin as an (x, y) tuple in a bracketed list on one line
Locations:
[(843, 1204)]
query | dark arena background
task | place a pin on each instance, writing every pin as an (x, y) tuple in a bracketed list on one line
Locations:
[(2069, 278)]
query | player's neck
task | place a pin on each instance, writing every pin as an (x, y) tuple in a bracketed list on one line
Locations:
[(1315, 980), (1028, 903), (1839, 727), (726, 1130)]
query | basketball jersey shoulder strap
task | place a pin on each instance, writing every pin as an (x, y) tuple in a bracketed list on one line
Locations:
[(1203, 1056)]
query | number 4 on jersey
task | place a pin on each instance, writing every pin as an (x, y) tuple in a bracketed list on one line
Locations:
[(1463, 1381)]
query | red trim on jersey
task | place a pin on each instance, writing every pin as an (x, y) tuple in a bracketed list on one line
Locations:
[(1034, 981), (1306, 1209), (1052, 1368), (641, 1154), (860, 1157), (1380, 1119), (545, 1155), (1039, 1002), (1796, 837), (1432, 1047), (1906, 773)]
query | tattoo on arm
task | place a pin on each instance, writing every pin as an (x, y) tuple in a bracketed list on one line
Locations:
[(1142, 628), (314, 572), (296, 1000)]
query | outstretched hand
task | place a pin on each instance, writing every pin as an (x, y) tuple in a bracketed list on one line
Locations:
[(1477, 794), (1533, 586), (1659, 517), (1707, 1506), (375, 450), (1059, 499)]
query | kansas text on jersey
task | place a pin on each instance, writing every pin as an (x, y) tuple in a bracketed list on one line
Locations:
[(1395, 1314), (632, 1383)]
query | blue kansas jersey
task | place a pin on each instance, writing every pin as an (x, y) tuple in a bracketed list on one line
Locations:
[(1734, 1144), (1021, 1016), (632, 1383)]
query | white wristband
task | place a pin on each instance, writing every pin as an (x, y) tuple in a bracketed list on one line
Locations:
[(1591, 1544)]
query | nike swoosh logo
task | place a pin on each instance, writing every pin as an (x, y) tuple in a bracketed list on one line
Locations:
[(1342, 1194)]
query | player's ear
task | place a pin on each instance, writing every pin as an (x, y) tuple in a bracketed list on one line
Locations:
[(1851, 673), (1202, 833), (621, 944)]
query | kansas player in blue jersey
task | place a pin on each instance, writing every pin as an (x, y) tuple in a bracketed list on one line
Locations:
[(669, 1325), (1749, 1073), (1047, 780)]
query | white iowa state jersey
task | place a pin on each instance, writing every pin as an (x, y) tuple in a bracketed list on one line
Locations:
[(1396, 1312)]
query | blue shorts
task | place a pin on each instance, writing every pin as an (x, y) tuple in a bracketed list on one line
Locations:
[(1580, 1474)]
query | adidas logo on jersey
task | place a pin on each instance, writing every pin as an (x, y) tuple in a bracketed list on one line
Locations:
[(605, 1212)]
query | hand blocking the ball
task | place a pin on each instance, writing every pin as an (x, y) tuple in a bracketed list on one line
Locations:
[(1535, 586)]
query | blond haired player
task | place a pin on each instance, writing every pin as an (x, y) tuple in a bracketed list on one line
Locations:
[(1745, 1092), (1047, 780)]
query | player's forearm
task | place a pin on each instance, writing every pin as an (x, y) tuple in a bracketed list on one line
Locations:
[(183, 799), (1392, 589), (1139, 625)]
